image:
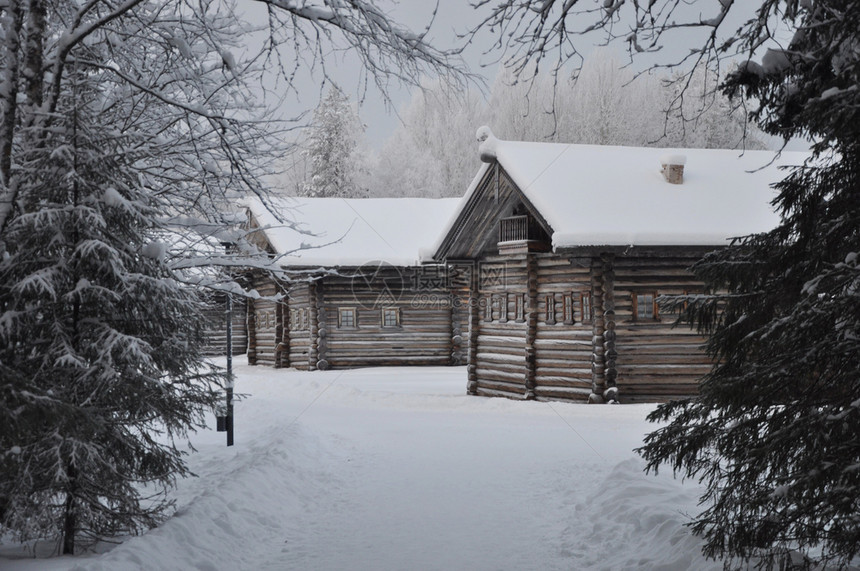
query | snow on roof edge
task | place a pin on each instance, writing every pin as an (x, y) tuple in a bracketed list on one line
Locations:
[(350, 232), (573, 240)]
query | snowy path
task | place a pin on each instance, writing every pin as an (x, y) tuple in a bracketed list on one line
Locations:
[(390, 469), (422, 492)]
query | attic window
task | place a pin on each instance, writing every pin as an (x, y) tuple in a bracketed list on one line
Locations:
[(514, 229), (521, 233)]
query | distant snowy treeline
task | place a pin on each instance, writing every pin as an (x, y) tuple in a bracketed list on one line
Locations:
[(432, 152)]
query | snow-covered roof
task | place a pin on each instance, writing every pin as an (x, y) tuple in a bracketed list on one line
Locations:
[(616, 196), (331, 232)]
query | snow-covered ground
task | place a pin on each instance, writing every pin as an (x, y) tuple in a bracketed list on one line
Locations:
[(396, 469)]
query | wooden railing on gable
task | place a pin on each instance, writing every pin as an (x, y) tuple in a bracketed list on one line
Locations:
[(518, 234)]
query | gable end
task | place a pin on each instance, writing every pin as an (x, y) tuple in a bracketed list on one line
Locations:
[(476, 229)]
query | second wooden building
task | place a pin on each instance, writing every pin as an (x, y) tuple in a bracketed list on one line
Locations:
[(351, 291)]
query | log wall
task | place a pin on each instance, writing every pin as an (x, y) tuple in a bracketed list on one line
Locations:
[(474, 328), (500, 356), (459, 284), (598, 364), (656, 361), (424, 335), (564, 339), (265, 323), (303, 329), (533, 341), (298, 338), (610, 335), (565, 328)]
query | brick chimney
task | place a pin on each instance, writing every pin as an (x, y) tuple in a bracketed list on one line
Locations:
[(673, 168)]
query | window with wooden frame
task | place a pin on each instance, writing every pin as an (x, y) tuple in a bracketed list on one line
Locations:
[(645, 306), (550, 309), (391, 317), (346, 317), (586, 310), (519, 307), (567, 306)]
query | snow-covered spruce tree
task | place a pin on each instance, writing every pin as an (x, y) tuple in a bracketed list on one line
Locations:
[(122, 123), (775, 431), (100, 362), (100, 344), (331, 145)]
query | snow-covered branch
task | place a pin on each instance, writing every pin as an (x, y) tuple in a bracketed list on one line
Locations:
[(387, 50)]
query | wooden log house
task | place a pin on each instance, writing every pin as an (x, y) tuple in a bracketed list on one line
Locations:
[(570, 247), (352, 292)]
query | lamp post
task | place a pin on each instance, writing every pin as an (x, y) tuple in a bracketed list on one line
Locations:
[(229, 311), (229, 370)]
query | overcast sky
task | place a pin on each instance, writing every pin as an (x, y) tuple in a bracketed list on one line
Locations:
[(456, 17), (453, 17)]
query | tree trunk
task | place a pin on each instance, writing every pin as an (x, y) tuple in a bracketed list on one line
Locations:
[(14, 21), (70, 520), (33, 55)]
